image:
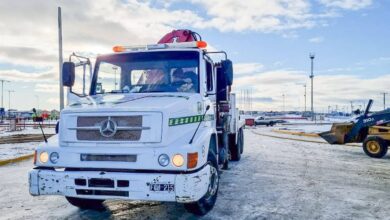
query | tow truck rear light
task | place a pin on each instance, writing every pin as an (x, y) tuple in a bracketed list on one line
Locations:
[(192, 160), (192, 44)]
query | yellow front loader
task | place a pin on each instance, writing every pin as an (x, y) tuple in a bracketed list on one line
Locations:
[(373, 129)]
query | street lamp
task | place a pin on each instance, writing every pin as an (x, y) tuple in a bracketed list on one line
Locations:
[(305, 95), (312, 56), (2, 91)]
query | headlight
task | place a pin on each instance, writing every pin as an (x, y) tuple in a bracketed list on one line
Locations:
[(54, 157), (163, 160), (43, 157), (178, 160)]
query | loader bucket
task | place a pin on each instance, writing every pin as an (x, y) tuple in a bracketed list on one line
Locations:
[(337, 133)]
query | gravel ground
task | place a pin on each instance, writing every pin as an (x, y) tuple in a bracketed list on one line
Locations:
[(276, 179)]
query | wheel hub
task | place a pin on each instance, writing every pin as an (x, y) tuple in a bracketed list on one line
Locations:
[(213, 186), (373, 147)]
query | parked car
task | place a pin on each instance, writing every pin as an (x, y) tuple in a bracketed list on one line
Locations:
[(268, 122)]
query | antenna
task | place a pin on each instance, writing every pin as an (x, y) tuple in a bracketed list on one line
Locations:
[(201, 120), (43, 134)]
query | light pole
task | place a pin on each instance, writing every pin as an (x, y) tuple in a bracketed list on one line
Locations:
[(305, 95), (283, 103), (384, 99), (60, 59), (312, 56), (9, 99), (2, 91)]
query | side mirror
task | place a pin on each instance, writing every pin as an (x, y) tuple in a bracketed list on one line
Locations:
[(227, 69), (68, 74)]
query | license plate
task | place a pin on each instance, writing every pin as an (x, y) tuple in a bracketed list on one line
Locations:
[(162, 187)]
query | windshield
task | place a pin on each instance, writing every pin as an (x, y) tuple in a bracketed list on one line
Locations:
[(147, 72)]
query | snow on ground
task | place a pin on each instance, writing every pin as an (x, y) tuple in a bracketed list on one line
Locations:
[(307, 128), (9, 151), (275, 179), (28, 130)]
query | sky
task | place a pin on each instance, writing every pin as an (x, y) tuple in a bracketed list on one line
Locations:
[(269, 42)]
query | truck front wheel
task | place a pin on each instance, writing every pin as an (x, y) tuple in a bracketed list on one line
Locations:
[(94, 204), (207, 202)]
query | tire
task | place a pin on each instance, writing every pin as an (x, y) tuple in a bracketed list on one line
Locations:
[(375, 147), (271, 124), (207, 202), (93, 204), (235, 149), (226, 146)]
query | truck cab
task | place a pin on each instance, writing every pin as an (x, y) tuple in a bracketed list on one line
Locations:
[(151, 126)]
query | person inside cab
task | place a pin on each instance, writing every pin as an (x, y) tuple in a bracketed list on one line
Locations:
[(185, 81)]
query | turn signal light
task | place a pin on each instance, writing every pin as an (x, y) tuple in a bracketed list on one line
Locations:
[(117, 49), (201, 44), (192, 160)]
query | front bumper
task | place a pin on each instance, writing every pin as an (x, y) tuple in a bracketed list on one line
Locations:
[(188, 187)]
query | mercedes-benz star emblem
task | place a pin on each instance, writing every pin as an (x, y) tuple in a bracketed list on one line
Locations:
[(108, 128)]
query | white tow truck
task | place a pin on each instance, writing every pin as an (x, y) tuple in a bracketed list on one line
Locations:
[(158, 124)]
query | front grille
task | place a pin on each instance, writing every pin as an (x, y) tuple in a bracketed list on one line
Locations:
[(102, 192), (121, 135), (95, 182), (112, 158)]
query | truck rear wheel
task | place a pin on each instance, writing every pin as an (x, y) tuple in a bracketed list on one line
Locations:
[(207, 202), (375, 147), (94, 204)]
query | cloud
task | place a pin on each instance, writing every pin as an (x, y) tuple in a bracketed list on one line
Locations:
[(46, 87), (316, 40), (29, 32), (267, 88), (30, 37), (54, 101), (347, 4), (30, 56), (256, 15), (19, 76), (247, 68)]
